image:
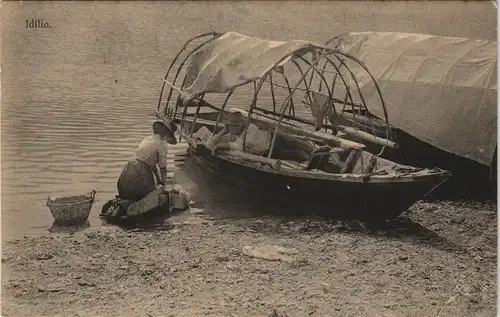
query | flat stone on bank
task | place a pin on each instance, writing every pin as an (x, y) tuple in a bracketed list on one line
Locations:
[(195, 211), (51, 288), (270, 252)]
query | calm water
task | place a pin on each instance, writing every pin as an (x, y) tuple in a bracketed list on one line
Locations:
[(78, 97)]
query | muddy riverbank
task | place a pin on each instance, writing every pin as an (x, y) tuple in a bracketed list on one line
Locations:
[(435, 261)]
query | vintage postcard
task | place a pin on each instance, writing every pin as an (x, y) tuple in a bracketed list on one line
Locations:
[(249, 158)]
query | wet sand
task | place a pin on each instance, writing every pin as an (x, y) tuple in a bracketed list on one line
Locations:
[(437, 261)]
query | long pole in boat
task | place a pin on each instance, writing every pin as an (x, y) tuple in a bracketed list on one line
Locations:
[(178, 91), (171, 85)]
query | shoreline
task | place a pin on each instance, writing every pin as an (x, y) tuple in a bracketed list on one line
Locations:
[(435, 260)]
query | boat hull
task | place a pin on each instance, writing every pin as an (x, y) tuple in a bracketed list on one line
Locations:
[(346, 199), (470, 179)]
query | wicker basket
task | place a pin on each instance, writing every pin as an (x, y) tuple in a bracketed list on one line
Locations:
[(72, 210)]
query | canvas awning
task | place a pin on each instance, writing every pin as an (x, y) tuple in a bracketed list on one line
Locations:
[(233, 60), (442, 90)]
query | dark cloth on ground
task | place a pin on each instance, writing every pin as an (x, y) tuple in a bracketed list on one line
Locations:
[(155, 204), (115, 210)]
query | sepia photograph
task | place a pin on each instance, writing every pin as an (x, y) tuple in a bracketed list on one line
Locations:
[(248, 158)]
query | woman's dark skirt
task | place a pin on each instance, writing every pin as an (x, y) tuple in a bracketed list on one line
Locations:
[(136, 181)]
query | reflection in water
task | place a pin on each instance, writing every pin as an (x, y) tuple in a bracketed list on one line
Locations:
[(55, 228), (218, 198)]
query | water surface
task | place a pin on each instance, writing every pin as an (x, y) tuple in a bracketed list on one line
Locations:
[(77, 98)]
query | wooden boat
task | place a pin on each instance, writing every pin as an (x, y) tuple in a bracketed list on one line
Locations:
[(442, 95), (345, 178)]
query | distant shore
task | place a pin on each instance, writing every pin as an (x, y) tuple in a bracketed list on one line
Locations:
[(436, 261)]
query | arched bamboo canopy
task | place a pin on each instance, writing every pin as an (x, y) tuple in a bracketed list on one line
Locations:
[(223, 62)]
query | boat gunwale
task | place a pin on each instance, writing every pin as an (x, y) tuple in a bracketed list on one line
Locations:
[(351, 178)]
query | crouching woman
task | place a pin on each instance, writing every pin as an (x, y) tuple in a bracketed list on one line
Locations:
[(138, 176)]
